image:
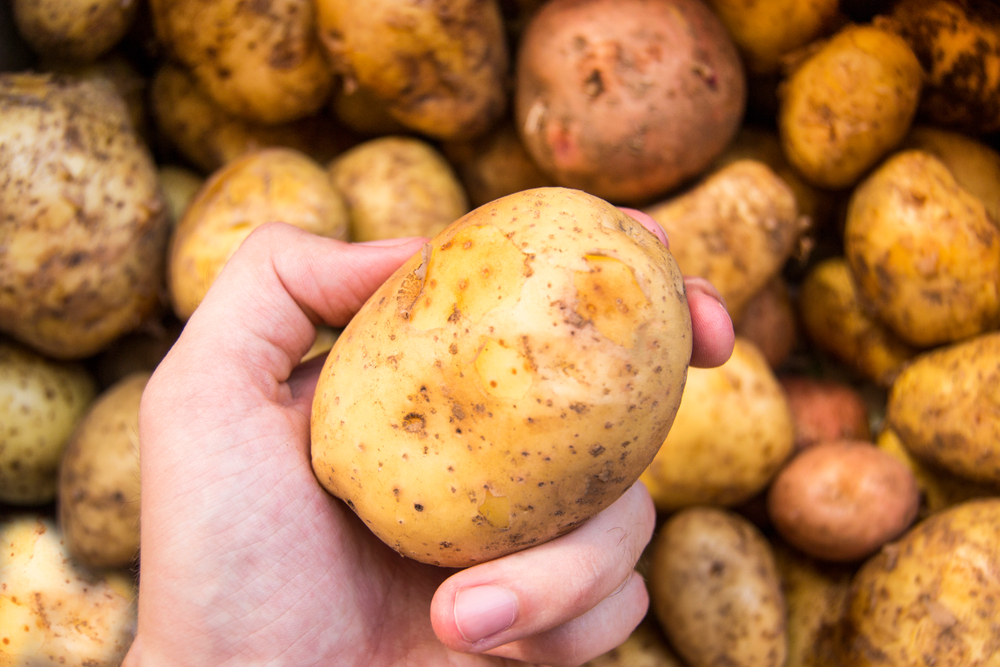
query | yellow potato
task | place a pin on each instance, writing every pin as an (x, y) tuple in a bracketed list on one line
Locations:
[(848, 104), (933, 596), (179, 187), (923, 252), (439, 69), (645, 647), (737, 229), (945, 407), (714, 588), (527, 365), (732, 434), (41, 402), (397, 186), (99, 479), (55, 612), (270, 185), (73, 30)]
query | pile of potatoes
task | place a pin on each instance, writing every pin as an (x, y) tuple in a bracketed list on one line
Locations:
[(829, 497)]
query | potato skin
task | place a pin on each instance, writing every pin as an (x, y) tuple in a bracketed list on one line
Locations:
[(644, 648), (714, 588), (933, 596), (923, 252), (528, 365), (79, 31), (627, 99), (41, 402), (848, 104), (769, 321), (842, 500), (85, 226), (945, 407), (99, 479), (825, 410)]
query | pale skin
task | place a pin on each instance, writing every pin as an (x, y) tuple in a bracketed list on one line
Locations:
[(247, 560)]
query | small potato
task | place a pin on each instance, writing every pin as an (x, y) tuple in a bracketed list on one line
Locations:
[(179, 186), (55, 612), (923, 252), (627, 99), (945, 407), (732, 433), (645, 647), (396, 187), (274, 184), (41, 402), (841, 501), (932, 597), (835, 322), (769, 321), (99, 479), (737, 228), (714, 588), (73, 30), (848, 104), (825, 410)]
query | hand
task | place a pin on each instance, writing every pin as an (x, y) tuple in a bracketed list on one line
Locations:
[(246, 560)]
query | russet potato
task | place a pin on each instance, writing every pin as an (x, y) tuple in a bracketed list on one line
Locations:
[(508, 383)]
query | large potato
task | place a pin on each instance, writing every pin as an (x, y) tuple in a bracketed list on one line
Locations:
[(932, 597), (714, 588), (737, 228), (84, 225), (54, 612), (923, 252), (269, 185), (41, 402), (74, 29), (440, 68), (627, 99), (527, 365), (848, 104), (397, 186), (258, 60), (732, 434), (945, 407), (99, 479)]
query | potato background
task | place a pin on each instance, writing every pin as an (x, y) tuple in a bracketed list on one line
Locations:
[(833, 336)]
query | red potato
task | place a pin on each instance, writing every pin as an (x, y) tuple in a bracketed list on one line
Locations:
[(825, 410), (769, 321), (841, 501)]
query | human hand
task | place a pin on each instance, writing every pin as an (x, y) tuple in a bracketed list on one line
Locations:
[(246, 560)]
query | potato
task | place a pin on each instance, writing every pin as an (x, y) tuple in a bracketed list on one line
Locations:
[(364, 112), (79, 31), (273, 184), (923, 252), (396, 187), (52, 610), (945, 407), (932, 597), (84, 226), (179, 187), (495, 165), (325, 339), (732, 434), (41, 402), (737, 228), (627, 99), (439, 68), (261, 62), (958, 44), (134, 352), (848, 104), (527, 366), (825, 409), (975, 166), (768, 321), (645, 647), (99, 479), (842, 500), (207, 136), (835, 322), (714, 588), (938, 489), (765, 31)]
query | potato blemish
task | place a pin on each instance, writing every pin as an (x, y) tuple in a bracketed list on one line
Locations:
[(504, 372), (496, 510), (609, 296), (478, 270)]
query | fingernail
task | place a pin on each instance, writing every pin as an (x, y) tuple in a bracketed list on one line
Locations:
[(483, 611)]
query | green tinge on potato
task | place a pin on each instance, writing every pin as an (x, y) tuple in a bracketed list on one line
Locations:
[(508, 382)]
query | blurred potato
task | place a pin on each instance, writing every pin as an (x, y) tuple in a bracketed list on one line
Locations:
[(769, 321), (645, 647), (824, 410), (364, 112), (179, 187), (73, 30)]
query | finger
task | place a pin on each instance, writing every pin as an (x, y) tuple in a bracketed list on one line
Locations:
[(712, 328), (647, 221), (534, 591)]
